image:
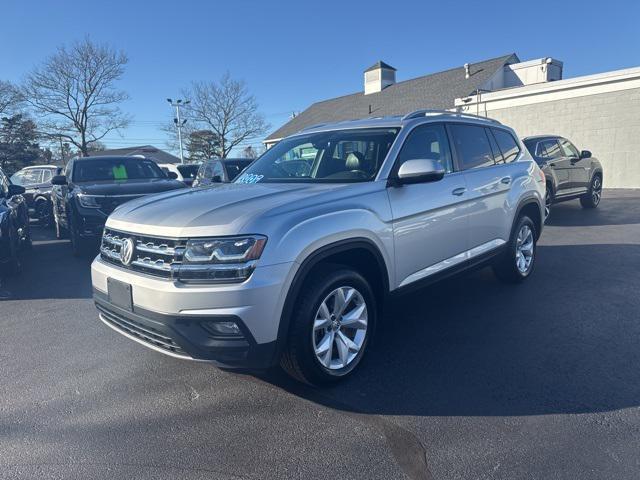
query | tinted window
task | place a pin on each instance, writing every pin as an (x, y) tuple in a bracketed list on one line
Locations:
[(188, 171), (508, 145), (235, 167), (497, 154), (568, 149), (546, 149), (217, 171), (125, 168), (46, 175), (429, 142), (472, 146)]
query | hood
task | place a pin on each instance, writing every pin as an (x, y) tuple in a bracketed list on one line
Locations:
[(142, 186), (219, 210)]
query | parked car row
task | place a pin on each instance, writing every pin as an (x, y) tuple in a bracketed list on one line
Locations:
[(293, 262)]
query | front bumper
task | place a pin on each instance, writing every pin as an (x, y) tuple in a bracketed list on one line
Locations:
[(172, 318)]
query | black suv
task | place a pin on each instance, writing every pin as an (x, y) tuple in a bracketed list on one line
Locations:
[(570, 173), (92, 187), (37, 183), (14, 225)]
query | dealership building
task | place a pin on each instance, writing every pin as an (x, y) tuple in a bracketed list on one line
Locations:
[(600, 112)]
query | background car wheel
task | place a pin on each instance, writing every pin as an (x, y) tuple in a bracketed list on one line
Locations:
[(79, 245), (14, 265), (518, 261), (331, 327), (43, 213), (548, 201), (592, 198)]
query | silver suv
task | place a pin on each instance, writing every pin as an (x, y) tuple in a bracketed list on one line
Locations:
[(293, 262)]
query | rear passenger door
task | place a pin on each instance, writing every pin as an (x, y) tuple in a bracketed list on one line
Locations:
[(489, 175), (429, 219)]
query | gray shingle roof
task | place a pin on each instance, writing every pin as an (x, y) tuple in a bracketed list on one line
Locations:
[(437, 90)]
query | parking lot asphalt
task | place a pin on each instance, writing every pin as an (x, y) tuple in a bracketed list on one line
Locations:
[(468, 379)]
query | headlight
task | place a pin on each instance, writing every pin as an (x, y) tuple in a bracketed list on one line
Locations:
[(221, 260), (87, 201)]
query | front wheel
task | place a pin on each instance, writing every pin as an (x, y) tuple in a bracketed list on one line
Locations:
[(591, 199), (43, 213), (517, 262), (331, 327)]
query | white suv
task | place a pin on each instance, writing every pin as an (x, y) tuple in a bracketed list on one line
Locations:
[(292, 262)]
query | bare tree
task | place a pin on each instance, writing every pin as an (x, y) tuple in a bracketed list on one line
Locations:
[(227, 109), (9, 98), (74, 92)]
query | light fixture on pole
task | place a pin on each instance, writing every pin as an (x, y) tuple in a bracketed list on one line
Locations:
[(179, 122)]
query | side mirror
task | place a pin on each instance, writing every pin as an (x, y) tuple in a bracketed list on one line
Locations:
[(15, 190), (172, 175), (59, 180), (420, 171), (585, 154)]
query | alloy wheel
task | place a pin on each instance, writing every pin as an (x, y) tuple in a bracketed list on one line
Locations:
[(596, 190), (340, 328), (547, 204), (524, 249)]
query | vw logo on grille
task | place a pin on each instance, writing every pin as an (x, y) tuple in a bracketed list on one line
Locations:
[(126, 251)]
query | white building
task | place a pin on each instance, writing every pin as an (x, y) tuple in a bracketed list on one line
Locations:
[(600, 113)]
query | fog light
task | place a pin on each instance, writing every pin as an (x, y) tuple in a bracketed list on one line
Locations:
[(223, 329)]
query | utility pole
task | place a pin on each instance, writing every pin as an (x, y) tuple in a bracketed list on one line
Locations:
[(179, 123)]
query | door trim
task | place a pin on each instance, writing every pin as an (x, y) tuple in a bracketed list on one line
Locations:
[(453, 261)]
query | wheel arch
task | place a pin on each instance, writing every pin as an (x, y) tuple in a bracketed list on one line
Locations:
[(355, 252), (531, 206)]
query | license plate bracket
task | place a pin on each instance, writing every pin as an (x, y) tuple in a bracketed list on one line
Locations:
[(120, 294)]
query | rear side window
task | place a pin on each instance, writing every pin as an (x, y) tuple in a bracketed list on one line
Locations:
[(472, 146), (427, 141), (546, 149), (508, 145)]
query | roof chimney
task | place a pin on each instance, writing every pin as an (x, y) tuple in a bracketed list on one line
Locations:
[(378, 77)]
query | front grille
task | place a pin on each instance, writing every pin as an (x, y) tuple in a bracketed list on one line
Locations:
[(151, 255), (146, 334)]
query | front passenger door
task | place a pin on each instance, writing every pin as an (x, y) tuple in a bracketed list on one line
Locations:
[(578, 168), (429, 219)]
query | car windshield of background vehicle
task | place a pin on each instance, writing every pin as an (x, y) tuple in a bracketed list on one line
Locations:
[(338, 156), (27, 177), (113, 169)]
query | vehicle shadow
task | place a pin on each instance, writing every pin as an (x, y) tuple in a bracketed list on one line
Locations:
[(567, 341), (50, 271), (619, 207)]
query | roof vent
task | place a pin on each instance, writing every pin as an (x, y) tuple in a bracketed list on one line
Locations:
[(466, 71), (378, 76)]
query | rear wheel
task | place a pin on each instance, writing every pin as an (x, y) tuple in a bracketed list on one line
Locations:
[(548, 201), (331, 327), (43, 213), (517, 263), (591, 199)]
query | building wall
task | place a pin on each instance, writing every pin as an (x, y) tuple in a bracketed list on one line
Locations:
[(600, 113), (608, 124)]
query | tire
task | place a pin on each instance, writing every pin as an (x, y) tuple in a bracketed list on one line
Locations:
[(592, 198), (14, 266), (43, 213), (79, 246), (313, 331), (548, 201), (516, 265)]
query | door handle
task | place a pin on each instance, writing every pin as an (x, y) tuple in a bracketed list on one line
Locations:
[(505, 180), (459, 191)]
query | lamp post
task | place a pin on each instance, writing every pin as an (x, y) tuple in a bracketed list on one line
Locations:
[(178, 121)]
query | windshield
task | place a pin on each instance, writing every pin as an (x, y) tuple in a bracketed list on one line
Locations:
[(126, 168), (338, 156), (188, 171)]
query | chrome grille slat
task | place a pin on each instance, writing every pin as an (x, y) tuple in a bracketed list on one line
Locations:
[(152, 256)]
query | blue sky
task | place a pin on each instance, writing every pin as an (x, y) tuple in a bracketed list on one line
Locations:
[(292, 53)]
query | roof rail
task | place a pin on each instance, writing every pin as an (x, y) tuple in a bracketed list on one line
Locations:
[(429, 112), (315, 125)]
